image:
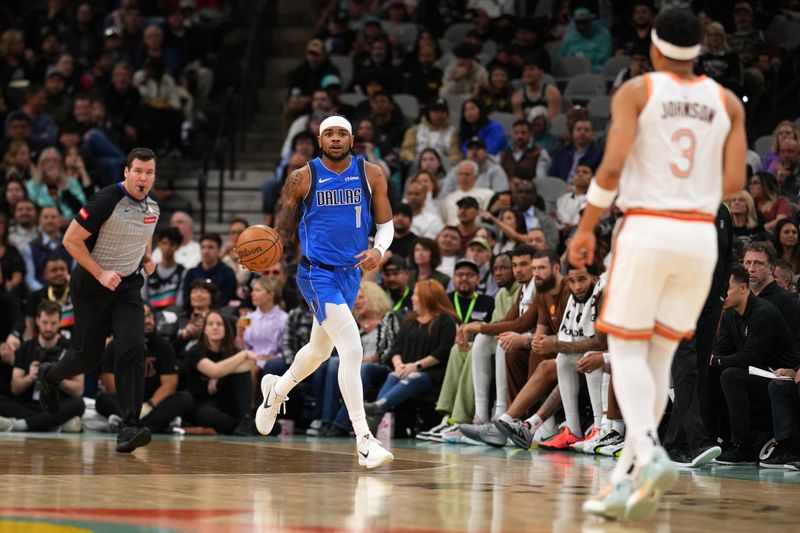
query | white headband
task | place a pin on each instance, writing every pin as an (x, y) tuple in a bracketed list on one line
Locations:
[(336, 121), (679, 53)]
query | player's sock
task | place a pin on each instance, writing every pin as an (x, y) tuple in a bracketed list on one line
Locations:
[(535, 421), (594, 382), (635, 391), (662, 351), (505, 417), (569, 385), (343, 330)]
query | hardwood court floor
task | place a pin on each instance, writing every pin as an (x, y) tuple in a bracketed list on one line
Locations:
[(59, 483)]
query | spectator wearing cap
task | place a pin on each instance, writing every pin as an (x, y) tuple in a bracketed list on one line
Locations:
[(471, 303), (396, 281), (305, 78), (467, 221), (466, 179), (638, 64), (535, 92), (480, 252), (432, 131), (490, 174), (465, 75), (403, 236), (336, 35), (636, 34), (524, 157), (583, 148), (476, 123), (58, 105), (589, 39), (320, 103), (42, 126), (423, 78), (425, 222)]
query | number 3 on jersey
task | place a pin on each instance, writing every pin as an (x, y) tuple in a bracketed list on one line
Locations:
[(685, 140)]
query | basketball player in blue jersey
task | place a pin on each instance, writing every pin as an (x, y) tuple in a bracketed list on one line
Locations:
[(333, 201)]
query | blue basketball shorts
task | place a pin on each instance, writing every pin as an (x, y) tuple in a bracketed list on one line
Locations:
[(320, 286)]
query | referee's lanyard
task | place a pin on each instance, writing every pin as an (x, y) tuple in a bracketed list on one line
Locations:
[(402, 299), (464, 319)]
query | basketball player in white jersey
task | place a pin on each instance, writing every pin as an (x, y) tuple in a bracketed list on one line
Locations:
[(676, 147)]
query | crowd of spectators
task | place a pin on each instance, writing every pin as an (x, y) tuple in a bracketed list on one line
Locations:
[(475, 329)]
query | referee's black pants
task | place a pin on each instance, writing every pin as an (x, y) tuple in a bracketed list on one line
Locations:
[(98, 312), (179, 404), (689, 377)]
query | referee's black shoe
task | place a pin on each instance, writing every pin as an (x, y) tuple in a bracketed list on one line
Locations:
[(48, 395), (130, 438)]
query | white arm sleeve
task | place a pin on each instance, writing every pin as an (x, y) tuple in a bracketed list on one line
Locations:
[(384, 236)]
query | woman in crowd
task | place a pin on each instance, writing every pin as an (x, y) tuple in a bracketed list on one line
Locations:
[(203, 297), (718, 61), (512, 224), (13, 193), (476, 123), (370, 308), (218, 377), (424, 178), (746, 224), (425, 259), (496, 94), (784, 130), (540, 126), (785, 240), (763, 187), (420, 351), (76, 169), (13, 267), (50, 185), (263, 329), (430, 162), (17, 162), (229, 257)]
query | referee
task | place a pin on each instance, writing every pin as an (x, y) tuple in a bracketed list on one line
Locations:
[(111, 239)]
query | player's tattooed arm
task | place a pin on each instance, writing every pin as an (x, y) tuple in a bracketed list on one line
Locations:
[(294, 190)]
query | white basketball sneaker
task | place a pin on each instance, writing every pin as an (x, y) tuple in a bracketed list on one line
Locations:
[(268, 411), (610, 501), (371, 453)]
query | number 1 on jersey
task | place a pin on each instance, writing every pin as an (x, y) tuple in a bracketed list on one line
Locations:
[(358, 216), (684, 170)]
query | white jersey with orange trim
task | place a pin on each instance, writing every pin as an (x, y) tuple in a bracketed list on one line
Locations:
[(676, 160)]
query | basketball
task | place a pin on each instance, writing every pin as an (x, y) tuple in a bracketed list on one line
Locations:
[(259, 248)]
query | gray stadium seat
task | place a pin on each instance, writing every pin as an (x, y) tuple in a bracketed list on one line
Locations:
[(456, 32), (550, 189), (612, 66), (345, 67), (504, 119), (568, 67), (352, 98), (408, 104), (558, 126), (584, 87), (762, 145), (599, 109)]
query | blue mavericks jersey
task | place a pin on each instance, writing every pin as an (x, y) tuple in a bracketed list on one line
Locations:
[(337, 214)]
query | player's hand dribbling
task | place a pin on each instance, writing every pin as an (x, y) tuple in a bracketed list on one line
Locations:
[(148, 264), (581, 249), (110, 279), (369, 259)]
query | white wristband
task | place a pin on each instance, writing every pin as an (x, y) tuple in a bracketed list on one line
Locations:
[(606, 358), (384, 235), (600, 197)]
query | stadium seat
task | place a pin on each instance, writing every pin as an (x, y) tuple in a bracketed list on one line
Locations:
[(352, 98), (599, 109), (408, 104), (762, 145), (550, 190), (584, 87), (612, 66), (345, 66), (504, 119), (457, 31), (568, 67), (558, 126)]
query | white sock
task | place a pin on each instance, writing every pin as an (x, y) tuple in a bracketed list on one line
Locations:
[(594, 382), (341, 327), (482, 350), (606, 383), (634, 387), (662, 351), (506, 418), (536, 422), (569, 386), (307, 360), (548, 427), (501, 381), (618, 426)]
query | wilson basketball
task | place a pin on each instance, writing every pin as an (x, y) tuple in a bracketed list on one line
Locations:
[(259, 248)]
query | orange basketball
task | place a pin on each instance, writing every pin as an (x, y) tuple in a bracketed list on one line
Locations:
[(259, 248)]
